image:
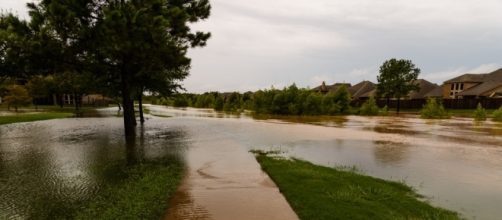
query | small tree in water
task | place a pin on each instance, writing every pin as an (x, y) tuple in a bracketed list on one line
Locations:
[(480, 113), (369, 107), (434, 110), (497, 114)]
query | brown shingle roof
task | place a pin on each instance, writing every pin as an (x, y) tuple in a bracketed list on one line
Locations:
[(487, 82), (469, 77), (361, 88), (495, 76), (368, 94), (481, 89), (425, 87), (437, 92), (484, 77), (331, 88)]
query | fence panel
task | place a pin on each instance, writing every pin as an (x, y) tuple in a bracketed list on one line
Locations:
[(448, 103)]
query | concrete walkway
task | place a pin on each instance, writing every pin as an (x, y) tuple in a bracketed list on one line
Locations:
[(225, 182)]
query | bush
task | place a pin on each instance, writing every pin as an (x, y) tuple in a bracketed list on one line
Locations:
[(180, 101), (497, 114), (17, 96), (343, 98), (480, 113), (434, 110), (219, 103), (312, 105), (384, 110), (369, 107)]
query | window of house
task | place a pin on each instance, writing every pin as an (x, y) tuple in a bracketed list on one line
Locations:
[(452, 86), (461, 86)]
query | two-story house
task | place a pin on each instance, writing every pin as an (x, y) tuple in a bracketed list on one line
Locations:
[(488, 85)]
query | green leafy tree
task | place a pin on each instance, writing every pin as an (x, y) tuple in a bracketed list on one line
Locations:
[(342, 97), (497, 115), (39, 87), (15, 46), (434, 110), (17, 96), (129, 43), (480, 113), (397, 79), (369, 107), (330, 104), (313, 104), (219, 103)]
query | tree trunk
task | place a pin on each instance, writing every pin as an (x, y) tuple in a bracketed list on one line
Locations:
[(128, 106), (61, 100), (398, 104), (140, 101), (75, 103)]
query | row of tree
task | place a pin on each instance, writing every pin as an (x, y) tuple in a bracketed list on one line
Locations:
[(124, 48), (397, 79), (288, 101)]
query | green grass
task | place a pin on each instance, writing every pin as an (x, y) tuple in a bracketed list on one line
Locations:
[(317, 192), (141, 192), (23, 117)]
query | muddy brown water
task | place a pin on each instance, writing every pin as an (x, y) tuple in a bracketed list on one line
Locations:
[(53, 165)]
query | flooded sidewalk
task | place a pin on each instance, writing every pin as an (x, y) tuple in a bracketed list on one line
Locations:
[(224, 181)]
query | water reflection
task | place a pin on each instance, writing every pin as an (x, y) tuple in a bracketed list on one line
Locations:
[(391, 153), (49, 169), (183, 207), (454, 163)]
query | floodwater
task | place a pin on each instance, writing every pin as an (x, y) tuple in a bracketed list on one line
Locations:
[(456, 164), (49, 168)]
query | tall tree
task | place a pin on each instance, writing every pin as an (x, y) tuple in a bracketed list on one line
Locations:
[(129, 43), (14, 46), (397, 79)]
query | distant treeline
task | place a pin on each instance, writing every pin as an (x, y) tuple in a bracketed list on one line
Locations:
[(288, 101)]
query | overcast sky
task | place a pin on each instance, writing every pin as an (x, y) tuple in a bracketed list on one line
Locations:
[(260, 43)]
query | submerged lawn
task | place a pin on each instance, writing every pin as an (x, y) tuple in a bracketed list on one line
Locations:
[(140, 192), (317, 192), (23, 117)]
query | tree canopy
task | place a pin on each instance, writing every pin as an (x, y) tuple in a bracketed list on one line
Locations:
[(397, 79), (125, 46)]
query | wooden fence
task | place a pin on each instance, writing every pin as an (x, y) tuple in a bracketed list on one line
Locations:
[(447, 103)]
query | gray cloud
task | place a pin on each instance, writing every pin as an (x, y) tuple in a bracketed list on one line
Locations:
[(261, 43)]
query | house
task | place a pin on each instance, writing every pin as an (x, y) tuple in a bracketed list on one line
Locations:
[(362, 90), (366, 89), (488, 85), (96, 99), (435, 93), (427, 89), (323, 88)]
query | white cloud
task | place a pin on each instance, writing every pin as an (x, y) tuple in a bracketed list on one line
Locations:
[(260, 43)]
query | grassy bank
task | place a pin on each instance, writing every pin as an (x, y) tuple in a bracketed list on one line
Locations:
[(317, 192), (29, 117), (140, 192)]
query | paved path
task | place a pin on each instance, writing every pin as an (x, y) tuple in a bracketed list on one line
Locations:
[(226, 182)]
